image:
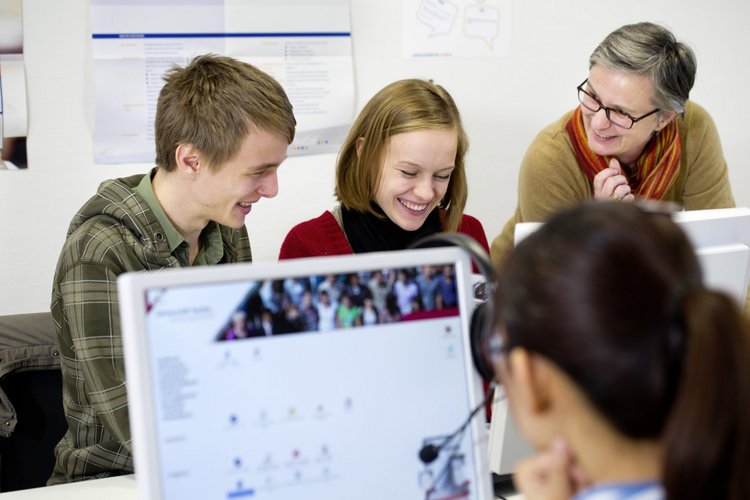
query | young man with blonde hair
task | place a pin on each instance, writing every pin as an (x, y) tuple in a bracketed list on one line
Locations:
[(222, 130)]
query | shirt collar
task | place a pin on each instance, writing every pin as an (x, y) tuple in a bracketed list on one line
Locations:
[(146, 190), (212, 246), (647, 490)]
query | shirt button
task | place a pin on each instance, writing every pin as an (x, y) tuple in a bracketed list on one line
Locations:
[(159, 237)]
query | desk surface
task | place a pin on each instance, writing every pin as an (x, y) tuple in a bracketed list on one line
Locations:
[(111, 488)]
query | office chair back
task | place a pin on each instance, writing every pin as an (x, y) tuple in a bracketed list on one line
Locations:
[(32, 420)]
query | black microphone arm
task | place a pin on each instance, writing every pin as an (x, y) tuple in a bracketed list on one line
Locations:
[(429, 452)]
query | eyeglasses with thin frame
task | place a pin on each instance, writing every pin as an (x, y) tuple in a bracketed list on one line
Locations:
[(615, 116)]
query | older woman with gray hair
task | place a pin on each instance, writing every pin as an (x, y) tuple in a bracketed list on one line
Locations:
[(634, 135)]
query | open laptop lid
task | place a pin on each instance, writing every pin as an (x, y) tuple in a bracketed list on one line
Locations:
[(330, 413)]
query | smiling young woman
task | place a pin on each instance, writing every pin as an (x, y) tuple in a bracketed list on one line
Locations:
[(400, 176)]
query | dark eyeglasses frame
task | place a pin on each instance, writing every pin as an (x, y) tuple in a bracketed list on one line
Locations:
[(633, 119)]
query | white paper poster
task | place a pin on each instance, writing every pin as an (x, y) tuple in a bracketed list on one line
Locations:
[(456, 28), (305, 45), (13, 115)]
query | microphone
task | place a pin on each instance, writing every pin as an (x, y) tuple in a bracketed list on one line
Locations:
[(429, 452)]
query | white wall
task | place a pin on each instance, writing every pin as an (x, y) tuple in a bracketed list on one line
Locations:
[(504, 104)]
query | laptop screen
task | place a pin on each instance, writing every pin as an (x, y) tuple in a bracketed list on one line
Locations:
[(314, 378)]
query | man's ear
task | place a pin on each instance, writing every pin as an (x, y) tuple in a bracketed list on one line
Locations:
[(188, 158), (531, 380)]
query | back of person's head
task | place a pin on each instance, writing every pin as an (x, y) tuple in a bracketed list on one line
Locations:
[(651, 50), (403, 106), (213, 103), (614, 297)]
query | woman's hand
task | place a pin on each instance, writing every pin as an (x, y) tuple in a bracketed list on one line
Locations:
[(551, 474), (610, 184)]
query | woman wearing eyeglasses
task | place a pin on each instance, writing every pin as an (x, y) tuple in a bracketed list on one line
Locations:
[(628, 375), (634, 135)]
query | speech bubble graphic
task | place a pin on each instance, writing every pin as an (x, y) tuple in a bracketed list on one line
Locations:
[(482, 22), (439, 15)]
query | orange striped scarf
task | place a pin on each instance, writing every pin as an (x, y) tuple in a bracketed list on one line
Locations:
[(654, 172)]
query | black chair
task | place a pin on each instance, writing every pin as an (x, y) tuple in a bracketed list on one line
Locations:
[(32, 419), (27, 455)]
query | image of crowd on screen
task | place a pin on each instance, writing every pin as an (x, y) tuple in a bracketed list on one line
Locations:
[(334, 302)]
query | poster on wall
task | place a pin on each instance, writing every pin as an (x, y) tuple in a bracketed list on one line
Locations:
[(304, 44), (13, 116), (456, 28)]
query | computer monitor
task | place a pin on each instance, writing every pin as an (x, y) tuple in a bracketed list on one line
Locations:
[(235, 391), (721, 240)]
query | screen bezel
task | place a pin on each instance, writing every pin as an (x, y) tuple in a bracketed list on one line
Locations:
[(133, 286)]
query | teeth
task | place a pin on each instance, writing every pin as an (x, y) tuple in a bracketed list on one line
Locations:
[(245, 205), (417, 207)]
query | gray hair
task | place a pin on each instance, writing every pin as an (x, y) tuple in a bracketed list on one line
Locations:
[(650, 50)]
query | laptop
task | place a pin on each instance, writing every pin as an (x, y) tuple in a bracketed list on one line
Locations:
[(242, 383)]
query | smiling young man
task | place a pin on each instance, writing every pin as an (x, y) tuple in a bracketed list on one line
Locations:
[(634, 135), (222, 130)]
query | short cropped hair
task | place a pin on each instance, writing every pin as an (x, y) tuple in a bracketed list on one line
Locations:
[(213, 103), (403, 106), (651, 50)]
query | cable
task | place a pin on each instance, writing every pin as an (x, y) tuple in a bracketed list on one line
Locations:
[(429, 452)]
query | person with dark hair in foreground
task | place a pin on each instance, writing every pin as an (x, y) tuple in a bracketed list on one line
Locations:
[(628, 375)]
